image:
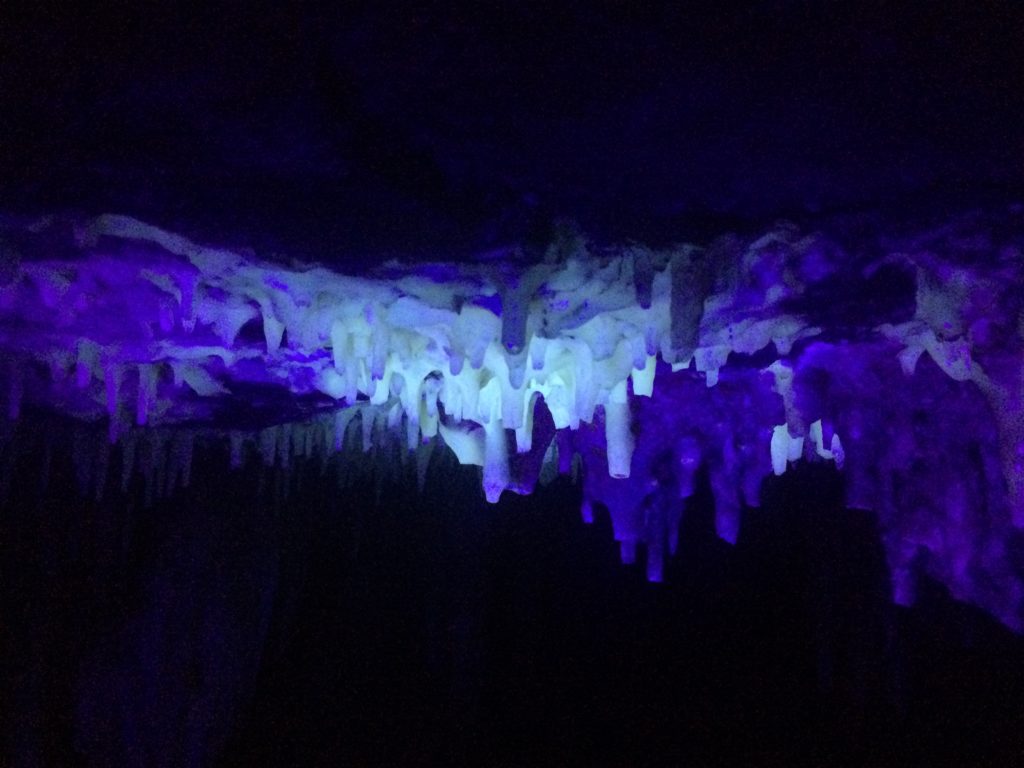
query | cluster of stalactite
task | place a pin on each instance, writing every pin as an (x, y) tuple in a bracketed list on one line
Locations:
[(899, 359)]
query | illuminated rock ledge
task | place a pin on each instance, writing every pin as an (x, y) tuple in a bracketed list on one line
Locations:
[(900, 360)]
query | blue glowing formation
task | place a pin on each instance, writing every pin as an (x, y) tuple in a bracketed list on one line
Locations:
[(897, 360)]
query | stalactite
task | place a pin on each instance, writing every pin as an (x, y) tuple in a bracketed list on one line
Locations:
[(743, 358)]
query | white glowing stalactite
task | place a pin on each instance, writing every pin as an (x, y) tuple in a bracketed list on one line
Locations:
[(618, 432), (605, 326), (475, 356)]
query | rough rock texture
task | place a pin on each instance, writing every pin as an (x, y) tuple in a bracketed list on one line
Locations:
[(898, 355)]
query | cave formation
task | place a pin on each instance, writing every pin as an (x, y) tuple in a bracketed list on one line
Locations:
[(446, 385), (627, 367)]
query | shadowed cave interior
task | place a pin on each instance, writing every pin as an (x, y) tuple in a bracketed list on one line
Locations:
[(264, 616)]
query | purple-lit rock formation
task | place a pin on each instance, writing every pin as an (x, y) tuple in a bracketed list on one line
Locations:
[(899, 358)]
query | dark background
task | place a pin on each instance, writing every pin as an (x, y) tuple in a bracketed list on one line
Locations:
[(228, 627), (356, 130), (335, 615)]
